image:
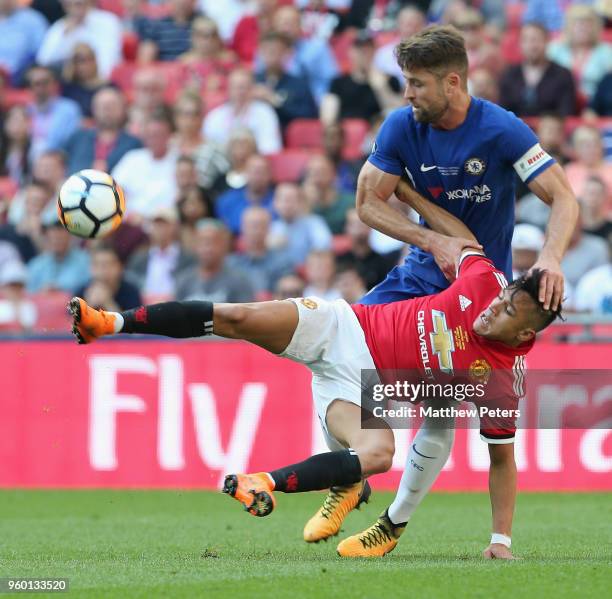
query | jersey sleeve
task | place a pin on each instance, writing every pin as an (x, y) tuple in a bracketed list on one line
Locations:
[(385, 155), (523, 150)]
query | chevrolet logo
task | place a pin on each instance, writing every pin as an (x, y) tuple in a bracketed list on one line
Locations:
[(442, 342)]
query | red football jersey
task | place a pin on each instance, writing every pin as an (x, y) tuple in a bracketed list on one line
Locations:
[(434, 333)]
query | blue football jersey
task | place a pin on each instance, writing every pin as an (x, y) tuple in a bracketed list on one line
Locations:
[(468, 171)]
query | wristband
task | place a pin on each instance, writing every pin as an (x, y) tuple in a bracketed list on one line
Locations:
[(501, 539)]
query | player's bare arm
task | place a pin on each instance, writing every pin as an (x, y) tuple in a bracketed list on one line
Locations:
[(374, 188), (502, 492), (552, 187)]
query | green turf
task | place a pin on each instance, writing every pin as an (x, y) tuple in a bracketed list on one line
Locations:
[(198, 544)]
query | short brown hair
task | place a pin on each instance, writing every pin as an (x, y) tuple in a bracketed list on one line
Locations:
[(438, 49)]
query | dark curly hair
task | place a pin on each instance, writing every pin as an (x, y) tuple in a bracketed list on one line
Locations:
[(529, 283)]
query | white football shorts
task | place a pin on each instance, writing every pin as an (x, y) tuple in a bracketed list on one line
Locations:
[(330, 341)]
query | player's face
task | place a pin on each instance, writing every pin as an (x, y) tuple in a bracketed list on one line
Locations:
[(506, 319), (425, 92)]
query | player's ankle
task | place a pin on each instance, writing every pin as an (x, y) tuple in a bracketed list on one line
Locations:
[(117, 322)]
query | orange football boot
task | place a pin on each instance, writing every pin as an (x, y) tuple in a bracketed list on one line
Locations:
[(338, 503), (253, 491), (376, 541), (88, 323)]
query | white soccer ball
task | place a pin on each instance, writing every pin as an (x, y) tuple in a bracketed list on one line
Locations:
[(90, 204)]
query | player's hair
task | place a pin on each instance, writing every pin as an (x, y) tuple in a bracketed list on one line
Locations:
[(530, 284), (438, 49)]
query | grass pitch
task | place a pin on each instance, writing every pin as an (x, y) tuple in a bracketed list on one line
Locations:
[(200, 544)]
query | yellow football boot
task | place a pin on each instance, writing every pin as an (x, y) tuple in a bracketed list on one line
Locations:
[(88, 323), (253, 491), (376, 541), (338, 503)]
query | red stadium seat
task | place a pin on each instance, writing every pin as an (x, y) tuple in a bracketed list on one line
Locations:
[(305, 133), (52, 313), (130, 46), (510, 47), (355, 131), (514, 14), (288, 166), (340, 45), (114, 6), (14, 97)]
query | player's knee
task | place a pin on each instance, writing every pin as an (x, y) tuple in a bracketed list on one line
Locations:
[(377, 459)]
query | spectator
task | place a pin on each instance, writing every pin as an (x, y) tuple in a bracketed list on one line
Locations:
[(601, 103), (320, 275), (148, 97), (15, 144), (594, 203), (155, 269), (17, 312), (61, 266), (589, 153), (537, 85), (594, 291), (410, 20), (288, 94), (581, 49), (258, 191), (312, 58), (48, 170), (147, 175), (484, 85), (108, 288), (290, 285), (481, 51), (263, 266), (323, 195), (168, 37), (333, 146), (363, 92), (209, 159), (241, 110), (103, 145), (52, 10), (296, 230), (193, 206), (251, 28), (80, 78), (240, 147), (372, 267), (83, 23), (21, 33), (527, 242), (350, 284), (225, 14), (212, 279), (186, 175), (54, 119), (208, 61), (551, 133), (26, 234), (584, 253)]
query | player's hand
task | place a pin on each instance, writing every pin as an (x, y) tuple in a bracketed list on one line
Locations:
[(447, 250), (551, 285), (497, 551)]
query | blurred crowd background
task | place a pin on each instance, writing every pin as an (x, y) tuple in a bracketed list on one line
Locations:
[(237, 129)]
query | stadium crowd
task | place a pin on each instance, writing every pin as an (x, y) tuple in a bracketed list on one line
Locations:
[(237, 130)]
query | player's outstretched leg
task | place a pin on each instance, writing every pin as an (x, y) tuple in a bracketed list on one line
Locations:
[(253, 491), (375, 541), (338, 503)]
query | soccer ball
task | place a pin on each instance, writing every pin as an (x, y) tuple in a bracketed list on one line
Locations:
[(90, 204)]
